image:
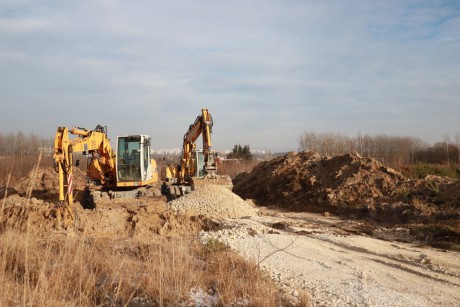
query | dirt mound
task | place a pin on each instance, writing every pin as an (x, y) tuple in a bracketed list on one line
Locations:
[(350, 185), (21, 213), (31, 205), (122, 218), (448, 193), (43, 183), (307, 179), (213, 201), (118, 218)]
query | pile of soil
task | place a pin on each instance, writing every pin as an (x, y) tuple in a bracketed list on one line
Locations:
[(347, 184), (43, 183), (114, 219), (32, 204), (306, 178)]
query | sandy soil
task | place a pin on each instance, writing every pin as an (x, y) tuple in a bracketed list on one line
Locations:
[(342, 266)]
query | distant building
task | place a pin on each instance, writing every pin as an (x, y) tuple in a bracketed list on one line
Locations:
[(167, 151)]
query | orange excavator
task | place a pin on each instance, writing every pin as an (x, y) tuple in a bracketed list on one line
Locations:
[(121, 174), (197, 167)]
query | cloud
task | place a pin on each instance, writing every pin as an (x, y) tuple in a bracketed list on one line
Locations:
[(22, 26), (267, 70)]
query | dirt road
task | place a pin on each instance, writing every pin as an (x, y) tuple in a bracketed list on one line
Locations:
[(341, 263)]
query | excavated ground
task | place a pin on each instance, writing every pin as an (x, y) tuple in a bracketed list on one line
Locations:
[(347, 185), (31, 205), (352, 186)]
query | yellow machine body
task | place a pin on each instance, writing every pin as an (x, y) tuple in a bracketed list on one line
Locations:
[(197, 167), (129, 168)]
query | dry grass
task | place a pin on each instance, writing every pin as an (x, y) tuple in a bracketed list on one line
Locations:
[(83, 271)]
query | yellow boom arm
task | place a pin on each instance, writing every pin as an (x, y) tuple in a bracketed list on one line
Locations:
[(102, 166), (201, 126)]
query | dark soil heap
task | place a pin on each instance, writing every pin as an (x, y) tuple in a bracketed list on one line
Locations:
[(307, 180), (349, 185)]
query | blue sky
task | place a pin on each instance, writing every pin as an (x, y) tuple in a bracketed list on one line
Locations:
[(266, 70)]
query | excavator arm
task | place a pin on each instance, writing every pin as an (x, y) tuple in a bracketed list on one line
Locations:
[(202, 126), (101, 167), (95, 142), (197, 168)]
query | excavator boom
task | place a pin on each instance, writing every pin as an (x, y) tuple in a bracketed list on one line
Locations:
[(197, 167), (202, 126)]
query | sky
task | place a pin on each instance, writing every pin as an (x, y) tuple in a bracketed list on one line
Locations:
[(267, 71)]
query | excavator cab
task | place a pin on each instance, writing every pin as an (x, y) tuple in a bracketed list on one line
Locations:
[(133, 160)]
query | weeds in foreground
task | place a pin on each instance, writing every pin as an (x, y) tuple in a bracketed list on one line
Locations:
[(433, 187), (58, 271)]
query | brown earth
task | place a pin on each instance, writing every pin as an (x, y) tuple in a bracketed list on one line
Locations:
[(350, 185), (115, 219), (43, 183), (31, 205)]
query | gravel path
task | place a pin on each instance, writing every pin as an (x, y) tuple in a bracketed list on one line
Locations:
[(344, 270), (337, 265)]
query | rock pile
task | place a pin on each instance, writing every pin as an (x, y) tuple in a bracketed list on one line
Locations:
[(213, 201)]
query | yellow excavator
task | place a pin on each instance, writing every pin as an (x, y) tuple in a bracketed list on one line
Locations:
[(121, 174), (197, 167)]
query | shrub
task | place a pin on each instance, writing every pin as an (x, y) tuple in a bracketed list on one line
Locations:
[(421, 170)]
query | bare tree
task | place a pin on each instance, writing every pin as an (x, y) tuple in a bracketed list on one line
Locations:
[(447, 140), (392, 150), (20, 144)]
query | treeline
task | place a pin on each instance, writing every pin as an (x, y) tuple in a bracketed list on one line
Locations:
[(240, 152), (20, 144), (440, 153), (391, 150)]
